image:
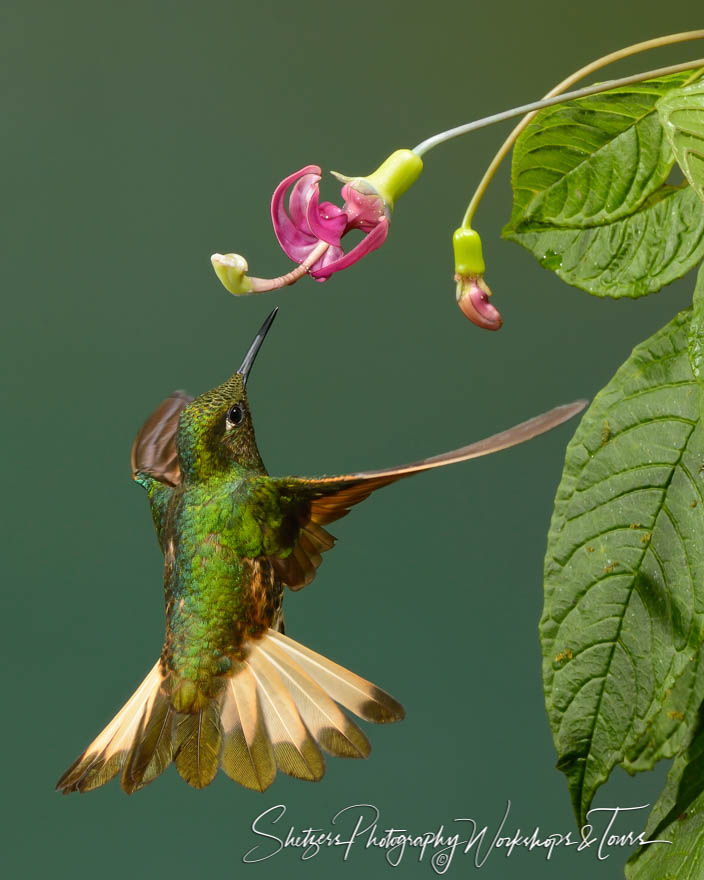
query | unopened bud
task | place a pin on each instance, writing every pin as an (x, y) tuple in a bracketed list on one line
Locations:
[(231, 270), (472, 290)]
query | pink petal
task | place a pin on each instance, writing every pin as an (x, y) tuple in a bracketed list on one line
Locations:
[(332, 254), (304, 190), (369, 243), (475, 305), (295, 241), (326, 221), (364, 210)]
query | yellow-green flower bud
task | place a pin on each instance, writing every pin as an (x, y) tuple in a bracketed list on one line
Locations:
[(472, 290), (231, 270)]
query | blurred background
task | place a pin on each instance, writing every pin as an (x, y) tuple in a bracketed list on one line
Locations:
[(141, 137)]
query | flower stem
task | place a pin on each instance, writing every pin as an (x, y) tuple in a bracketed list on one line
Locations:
[(560, 89), (261, 285), (532, 108)]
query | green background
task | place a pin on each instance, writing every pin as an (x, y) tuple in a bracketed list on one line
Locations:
[(140, 137)]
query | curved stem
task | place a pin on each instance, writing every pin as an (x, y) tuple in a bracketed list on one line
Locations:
[(657, 43), (261, 285), (532, 108)]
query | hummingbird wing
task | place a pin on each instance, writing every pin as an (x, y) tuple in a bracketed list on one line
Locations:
[(317, 502), (154, 447)]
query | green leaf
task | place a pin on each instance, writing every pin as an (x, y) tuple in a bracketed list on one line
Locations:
[(624, 606), (681, 112), (590, 197), (695, 344), (661, 242), (594, 160), (678, 816)]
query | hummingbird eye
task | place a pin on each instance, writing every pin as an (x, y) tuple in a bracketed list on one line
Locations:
[(235, 415)]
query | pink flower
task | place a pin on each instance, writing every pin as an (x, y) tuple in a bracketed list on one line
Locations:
[(310, 231), (473, 299), (472, 291)]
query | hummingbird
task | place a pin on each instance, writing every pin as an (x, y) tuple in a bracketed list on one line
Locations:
[(230, 689)]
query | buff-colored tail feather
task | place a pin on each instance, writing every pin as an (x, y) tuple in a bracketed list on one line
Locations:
[(275, 711)]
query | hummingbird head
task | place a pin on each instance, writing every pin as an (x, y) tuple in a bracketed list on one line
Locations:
[(215, 429)]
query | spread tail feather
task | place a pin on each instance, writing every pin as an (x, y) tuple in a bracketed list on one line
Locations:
[(277, 710), (106, 755)]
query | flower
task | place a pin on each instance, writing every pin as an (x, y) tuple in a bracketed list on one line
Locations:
[(473, 299), (472, 291), (308, 223), (310, 231), (368, 204)]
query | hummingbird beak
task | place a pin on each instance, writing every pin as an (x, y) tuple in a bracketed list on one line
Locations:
[(251, 355)]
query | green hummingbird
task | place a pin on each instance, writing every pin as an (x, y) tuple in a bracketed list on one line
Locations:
[(230, 689)]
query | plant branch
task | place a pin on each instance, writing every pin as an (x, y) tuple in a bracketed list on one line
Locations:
[(560, 88)]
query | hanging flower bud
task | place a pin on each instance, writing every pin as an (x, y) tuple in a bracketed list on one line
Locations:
[(231, 270), (473, 299), (472, 290)]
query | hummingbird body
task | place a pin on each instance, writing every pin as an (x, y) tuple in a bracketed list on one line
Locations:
[(229, 689), (218, 591), (214, 527)]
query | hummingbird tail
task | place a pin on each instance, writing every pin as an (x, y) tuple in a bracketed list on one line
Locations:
[(281, 707), (277, 709), (124, 737)]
